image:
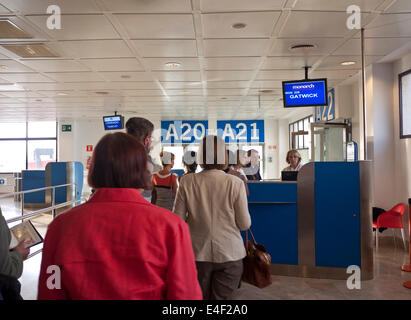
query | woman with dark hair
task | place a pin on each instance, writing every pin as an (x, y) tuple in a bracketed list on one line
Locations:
[(190, 164), (165, 182), (214, 204), (117, 245)]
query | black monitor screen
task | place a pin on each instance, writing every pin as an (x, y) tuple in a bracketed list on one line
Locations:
[(305, 93), (113, 122)]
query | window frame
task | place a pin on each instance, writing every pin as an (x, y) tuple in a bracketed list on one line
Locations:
[(400, 77), (27, 139)]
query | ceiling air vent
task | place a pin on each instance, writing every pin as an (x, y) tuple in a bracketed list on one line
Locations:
[(38, 50), (302, 48), (8, 30)]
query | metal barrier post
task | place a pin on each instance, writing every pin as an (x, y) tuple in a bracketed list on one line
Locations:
[(22, 207), (407, 268), (53, 201)]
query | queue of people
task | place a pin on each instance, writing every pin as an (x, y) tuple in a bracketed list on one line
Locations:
[(146, 233)]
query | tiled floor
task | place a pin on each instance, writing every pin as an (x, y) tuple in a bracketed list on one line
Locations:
[(387, 282)]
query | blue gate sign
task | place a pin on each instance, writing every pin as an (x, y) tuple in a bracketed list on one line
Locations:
[(182, 131), (237, 131), (326, 113)]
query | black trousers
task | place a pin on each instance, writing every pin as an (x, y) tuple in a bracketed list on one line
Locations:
[(9, 289)]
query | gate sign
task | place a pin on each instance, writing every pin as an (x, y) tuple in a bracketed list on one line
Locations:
[(236, 131), (326, 113), (182, 131), (2, 181)]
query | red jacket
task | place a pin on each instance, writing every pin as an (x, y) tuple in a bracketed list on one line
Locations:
[(119, 246)]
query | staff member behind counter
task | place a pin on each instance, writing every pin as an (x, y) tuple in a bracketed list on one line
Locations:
[(294, 160)]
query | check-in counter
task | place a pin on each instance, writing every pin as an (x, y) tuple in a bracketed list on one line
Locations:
[(319, 225)]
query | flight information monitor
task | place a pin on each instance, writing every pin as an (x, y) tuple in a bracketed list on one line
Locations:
[(305, 93), (113, 122)]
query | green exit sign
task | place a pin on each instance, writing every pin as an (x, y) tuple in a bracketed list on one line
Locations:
[(66, 128)]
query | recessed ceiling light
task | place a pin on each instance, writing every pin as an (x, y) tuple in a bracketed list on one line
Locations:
[(102, 92), (239, 25), (173, 65), (267, 91), (61, 94), (348, 63), (125, 76), (3, 67), (223, 98)]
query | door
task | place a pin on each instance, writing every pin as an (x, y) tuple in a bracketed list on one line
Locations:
[(329, 141)]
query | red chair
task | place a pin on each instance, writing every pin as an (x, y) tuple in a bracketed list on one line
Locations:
[(390, 219)]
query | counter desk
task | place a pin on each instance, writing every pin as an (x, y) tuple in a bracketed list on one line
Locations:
[(319, 225)]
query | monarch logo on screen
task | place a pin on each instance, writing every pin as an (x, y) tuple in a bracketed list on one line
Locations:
[(304, 87)]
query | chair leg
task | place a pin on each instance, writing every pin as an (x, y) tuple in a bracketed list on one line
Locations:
[(376, 238), (393, 235), (403, 238)]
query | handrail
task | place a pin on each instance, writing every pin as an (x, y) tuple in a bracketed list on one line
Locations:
[(51, 208), (37, 212), (35, 190)]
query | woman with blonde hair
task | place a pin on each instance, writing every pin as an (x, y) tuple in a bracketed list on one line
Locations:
[(294, 160)]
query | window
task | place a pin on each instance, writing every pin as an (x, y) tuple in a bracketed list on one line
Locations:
[(405, 104), (300, 131), (27, 145)]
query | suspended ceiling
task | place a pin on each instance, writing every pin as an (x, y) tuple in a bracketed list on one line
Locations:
[(113, 55)]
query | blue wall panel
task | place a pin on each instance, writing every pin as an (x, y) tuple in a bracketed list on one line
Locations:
[(276, 227), (337, 230), (34, 179), (274, 219)]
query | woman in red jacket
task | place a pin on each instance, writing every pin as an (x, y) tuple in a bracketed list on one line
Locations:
[(117, 245)]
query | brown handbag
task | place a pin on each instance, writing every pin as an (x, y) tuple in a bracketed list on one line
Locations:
[(256, 264)]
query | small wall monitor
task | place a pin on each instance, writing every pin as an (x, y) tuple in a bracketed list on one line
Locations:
[(305, 93), (113, 122)]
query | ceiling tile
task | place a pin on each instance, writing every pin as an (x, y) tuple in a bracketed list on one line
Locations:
[(78, 27), (25, 77), (280, 74), (229, 75), (312, 24), (125, 64), (226, 92), (75, 76), (322, 46), (160, 63), (332, 74), (258, 24), (232, 63), (13, 66), (389, 25), (266, 84), (400, 6), (158, 6), (92, 49), (40, 6), (177, 75), (166, 48), (373, 46), (240, 5), (337, 5), (235, 47), (227, 84), (334, 62), (288, 62), (181, 84), (152, 26), (54, 65), (126, 76)]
